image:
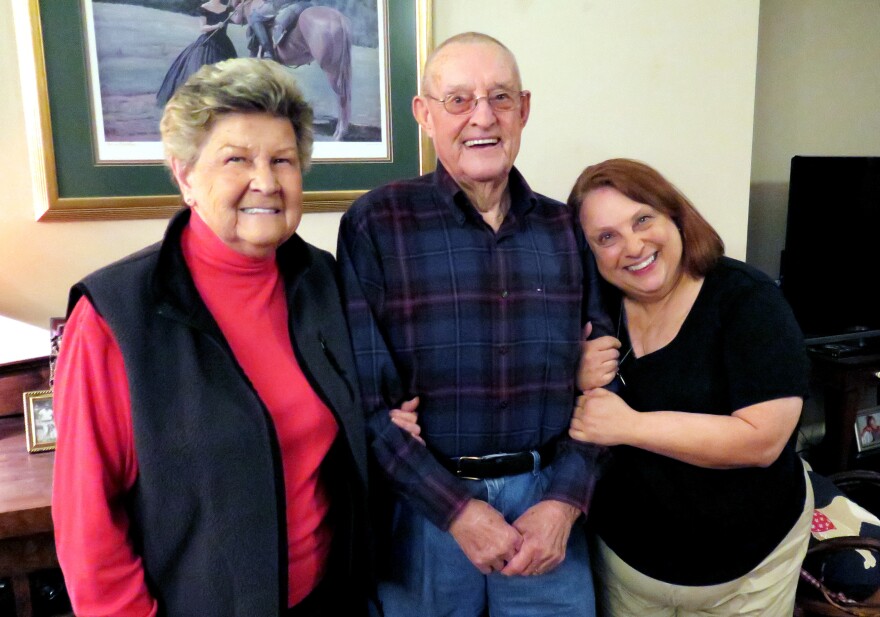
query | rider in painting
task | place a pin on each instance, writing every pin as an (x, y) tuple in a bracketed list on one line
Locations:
[(282, 14)]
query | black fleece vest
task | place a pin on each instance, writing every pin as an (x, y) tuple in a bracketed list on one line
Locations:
[(207, 510)]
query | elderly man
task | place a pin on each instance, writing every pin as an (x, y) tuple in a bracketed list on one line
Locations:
[(465, 289)]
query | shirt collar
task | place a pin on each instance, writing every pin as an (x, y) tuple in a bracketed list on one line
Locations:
[(522, 198)]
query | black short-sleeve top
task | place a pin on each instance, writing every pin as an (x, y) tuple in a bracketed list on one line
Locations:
[(689, 525)]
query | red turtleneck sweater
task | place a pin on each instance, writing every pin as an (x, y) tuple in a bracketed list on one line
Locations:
[(95, 461)]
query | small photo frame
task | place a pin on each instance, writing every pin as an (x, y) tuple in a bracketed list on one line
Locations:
[(39, 421), (867, 429)]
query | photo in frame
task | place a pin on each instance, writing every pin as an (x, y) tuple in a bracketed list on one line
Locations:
[(867, 428), (39, 421), (70, 183)]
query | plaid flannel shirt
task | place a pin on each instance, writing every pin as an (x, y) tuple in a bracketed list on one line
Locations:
[(484, 327)]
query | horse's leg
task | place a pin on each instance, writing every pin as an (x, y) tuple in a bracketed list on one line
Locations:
[(329, 41), (343, 91)]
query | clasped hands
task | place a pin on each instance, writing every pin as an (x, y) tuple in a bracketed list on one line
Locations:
[(533, 544), (600, 416)]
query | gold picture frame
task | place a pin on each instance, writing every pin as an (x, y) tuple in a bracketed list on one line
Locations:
[(39, 62), (39, 421)]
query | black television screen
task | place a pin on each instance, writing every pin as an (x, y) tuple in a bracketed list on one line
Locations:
[(830, 267)]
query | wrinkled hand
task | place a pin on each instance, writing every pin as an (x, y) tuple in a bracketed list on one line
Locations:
[(602, 417), (545, 528), (485, 537), (598, 362), (408, 419)]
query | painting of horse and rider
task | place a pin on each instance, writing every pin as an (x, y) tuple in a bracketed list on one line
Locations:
[(141, 50)]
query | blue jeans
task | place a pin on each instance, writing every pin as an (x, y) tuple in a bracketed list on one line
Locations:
[(431, 576)]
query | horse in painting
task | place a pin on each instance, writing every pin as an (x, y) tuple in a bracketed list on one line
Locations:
[(321, 34)]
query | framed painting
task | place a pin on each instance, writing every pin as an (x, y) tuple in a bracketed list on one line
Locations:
[(39, 421), (93, 74)]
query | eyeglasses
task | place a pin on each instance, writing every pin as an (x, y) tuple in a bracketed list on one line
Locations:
[(499, 100)]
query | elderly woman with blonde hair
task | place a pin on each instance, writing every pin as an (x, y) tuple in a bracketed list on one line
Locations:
[(211, 457)]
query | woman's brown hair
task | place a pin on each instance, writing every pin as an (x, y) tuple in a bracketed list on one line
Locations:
[(701, 244)]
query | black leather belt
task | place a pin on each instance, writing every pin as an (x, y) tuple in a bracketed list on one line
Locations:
[(498, 465)]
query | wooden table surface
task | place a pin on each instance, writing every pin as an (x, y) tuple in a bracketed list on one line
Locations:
[(25, 483)]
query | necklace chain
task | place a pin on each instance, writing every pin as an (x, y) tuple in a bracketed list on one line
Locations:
[(629, 337), (628, 351)]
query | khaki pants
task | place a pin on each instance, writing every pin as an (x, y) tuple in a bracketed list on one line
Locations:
[(766, 591)]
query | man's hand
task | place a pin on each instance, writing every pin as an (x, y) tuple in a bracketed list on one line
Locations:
[(598, 362), (485, 537), (545, 528)]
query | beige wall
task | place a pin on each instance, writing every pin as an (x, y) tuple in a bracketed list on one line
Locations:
[(817, 93), (669, 82)]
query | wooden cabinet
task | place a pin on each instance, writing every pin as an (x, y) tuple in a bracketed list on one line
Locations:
[(848, 385), (26, 538), (18, 377)]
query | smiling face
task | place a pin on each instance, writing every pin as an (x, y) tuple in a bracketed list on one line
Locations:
[(476, 148), (246, 183), (637, 248)]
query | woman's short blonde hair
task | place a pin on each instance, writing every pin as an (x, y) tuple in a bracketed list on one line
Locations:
[(239, 85)]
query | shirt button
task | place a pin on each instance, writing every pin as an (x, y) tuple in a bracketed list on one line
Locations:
[(503, 350), (503, 404), (504, 294)]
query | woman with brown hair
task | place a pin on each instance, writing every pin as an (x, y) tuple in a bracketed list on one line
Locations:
[(704, 508)]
